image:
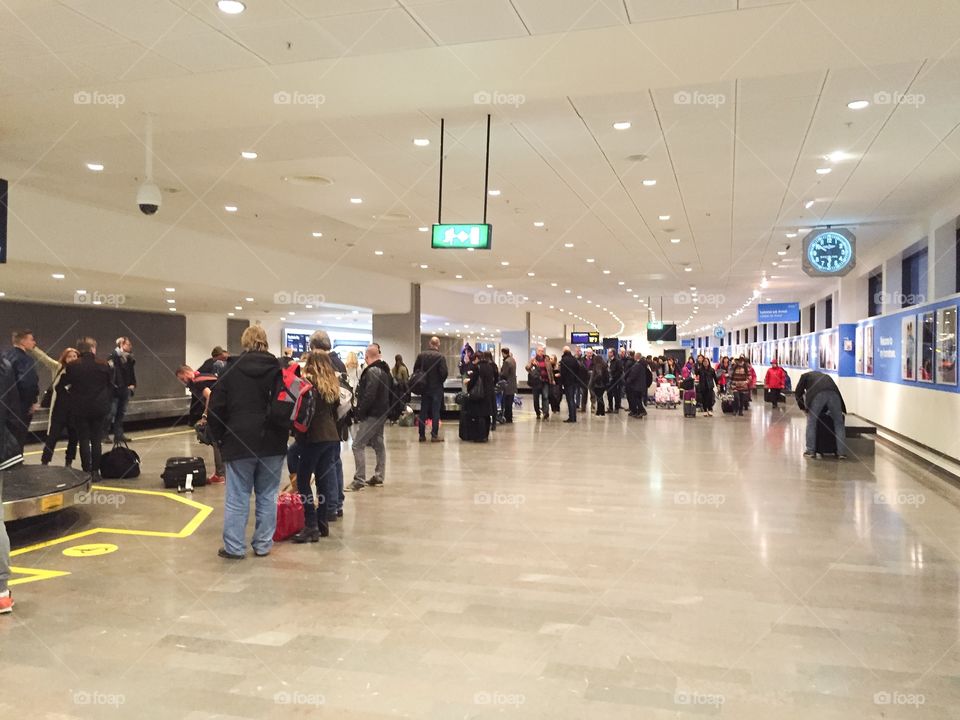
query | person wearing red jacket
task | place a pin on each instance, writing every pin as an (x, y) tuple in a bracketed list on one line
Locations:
[(774, 383)]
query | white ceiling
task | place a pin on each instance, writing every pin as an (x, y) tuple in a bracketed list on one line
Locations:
[(733, 174)]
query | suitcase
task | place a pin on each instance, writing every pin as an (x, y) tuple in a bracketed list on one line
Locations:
[(727, 404), (184, 473), (690, 404), (473, 427), (826, 438), (289, 516), (120, 463)]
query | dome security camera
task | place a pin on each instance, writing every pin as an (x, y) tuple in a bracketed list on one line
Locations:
[(149, 198)]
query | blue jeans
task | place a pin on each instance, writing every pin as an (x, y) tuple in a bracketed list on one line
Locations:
[(318, 459), (246, 476), (834, 404), (119, 410), (431, 403), (338, 505), (4, 550), (572, 391), (541, 400)]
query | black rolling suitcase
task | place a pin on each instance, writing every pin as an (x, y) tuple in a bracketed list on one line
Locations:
[(473, 425), (826, 438), (184, 473)]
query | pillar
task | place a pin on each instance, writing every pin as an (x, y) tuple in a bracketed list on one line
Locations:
[(517, 340), (893, 283), (400, 332), (942, 262)]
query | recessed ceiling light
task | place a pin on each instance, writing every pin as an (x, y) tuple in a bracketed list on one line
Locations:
[(688, 269), (58, 276), (248, 155), (809, 204), (95, 167), (664, 217), (781, 252), (623, 125), (803, 230), (423, 228), (824, 171), (568, 245), (837, 156), (231, 7), (504, 262), (858, 104), (249, 299), (489, 286), (693, 287), (459, 277), (230, 208), (553, 284), (649, 183), (774, 264), (493, 193), (531, 274), (230, 314), (606, 272), (539, 223), (291, 313), (172, 309), (790, 235), (170, 289), (629, 290), (621, 283), (317, 234), (590, 260), (171, 301), (309, 307), (421, 142), (356, 200), (568, 291), (579, 297), (378, 252), (237, 307), (675, 241)]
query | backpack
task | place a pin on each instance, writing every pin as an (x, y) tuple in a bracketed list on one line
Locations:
[(418, 382), (292, 404)]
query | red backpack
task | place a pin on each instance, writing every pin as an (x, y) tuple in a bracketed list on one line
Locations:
[(293, 402)]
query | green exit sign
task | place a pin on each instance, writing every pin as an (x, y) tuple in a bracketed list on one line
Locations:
[(460, 237), (654, 326)]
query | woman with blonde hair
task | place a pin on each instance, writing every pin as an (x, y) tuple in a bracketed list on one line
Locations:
[(253, 448), (319, 448), (353, 370), (59, 417)]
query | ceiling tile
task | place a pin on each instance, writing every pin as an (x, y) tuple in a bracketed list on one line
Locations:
[(206, 52), (464, 21), (59, 28), (375, 32), (327, 8), (559, 16), (647, 10), (290, 41), (145, 21)]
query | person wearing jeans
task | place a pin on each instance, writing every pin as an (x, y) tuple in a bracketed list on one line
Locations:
[(570, 379), (540, 378), (373, 403), (125, 382), (6, 601), (252, 446), (816, 392), (430, 369)]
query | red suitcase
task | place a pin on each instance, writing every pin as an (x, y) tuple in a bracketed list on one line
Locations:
[(289, 516)]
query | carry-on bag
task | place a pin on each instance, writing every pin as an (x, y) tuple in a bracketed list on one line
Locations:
[(289, 515), (728, 404), (689, 403), (120, 463), (184, 473), (826, 437)]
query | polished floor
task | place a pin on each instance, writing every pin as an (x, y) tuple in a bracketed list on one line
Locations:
[(615, 568)]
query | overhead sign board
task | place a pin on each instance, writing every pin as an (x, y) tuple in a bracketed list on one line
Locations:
[(462, 237), (829, 252), (585, 338), (778, 312)]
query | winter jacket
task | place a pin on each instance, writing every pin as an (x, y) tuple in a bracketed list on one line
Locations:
[(615, 370), (323, 427), (91, 387), (638, 377), (776, 378), (812, 384), (740, 378), (706, 377), (433, 365), (124, 374), (569, 370), (508, 373), (25, 374), (546, 374), (239, 402), (373, 392)]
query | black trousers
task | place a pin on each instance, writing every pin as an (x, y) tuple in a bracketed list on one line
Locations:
[(57, 426), (89, 433), (614, 395), (507, 407), (598, 398)]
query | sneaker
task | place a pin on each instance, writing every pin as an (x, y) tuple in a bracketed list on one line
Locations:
[(216, 479), (423, 439), (809, 454), (6, 603), (374, 481), (356, 485), (222, 552), (436, 439), (841, 457)]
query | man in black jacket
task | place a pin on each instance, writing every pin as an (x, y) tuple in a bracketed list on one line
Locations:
[(27, 381), (570, 379), (637, 380), (432, 365), (91, 392), (816, 392), (253, 448), (214, 364), (122, 363), (373, 403), (615, 388)]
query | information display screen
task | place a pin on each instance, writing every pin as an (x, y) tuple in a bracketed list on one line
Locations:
[(585, 338), (667, 332)]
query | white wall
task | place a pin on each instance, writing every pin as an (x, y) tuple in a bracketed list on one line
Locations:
[(204, 331)]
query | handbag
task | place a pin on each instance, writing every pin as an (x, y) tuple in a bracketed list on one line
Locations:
[(120, 463), (47, 398), (477, 390), (290, 519), (204, 436)]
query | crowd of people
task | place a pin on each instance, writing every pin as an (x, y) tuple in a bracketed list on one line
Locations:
[(234, 400)]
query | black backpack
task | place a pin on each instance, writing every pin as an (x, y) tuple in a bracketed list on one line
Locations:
[(395, 395)]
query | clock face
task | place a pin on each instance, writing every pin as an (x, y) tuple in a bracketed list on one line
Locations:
[(829, 252)]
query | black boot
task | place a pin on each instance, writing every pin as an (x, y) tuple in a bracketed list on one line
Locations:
[(307, 535)]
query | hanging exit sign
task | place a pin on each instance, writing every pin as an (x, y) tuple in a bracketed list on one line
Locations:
[(654, 326), (462, 237)]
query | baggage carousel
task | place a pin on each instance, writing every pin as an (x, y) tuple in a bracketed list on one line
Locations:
[(32, 490)]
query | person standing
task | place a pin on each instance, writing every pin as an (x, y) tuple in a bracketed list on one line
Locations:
[(320, 340), (401, 374), (201, 387), (58, 419), (540, 378), (508, 373), (91, 392), (740, 383), (373, 402), (706, 381), (816, 392), (8, 457), (723, 374), (122, 363), (253, 448), (636, 382), (27, 383), (431, 365), (570, 378), (6, 599), (774, 383), (352, 366), (615, 386), (599, 378), (214, 364), (319, 448)]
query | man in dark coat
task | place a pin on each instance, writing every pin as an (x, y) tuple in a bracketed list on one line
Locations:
[(373, 403), (570, 379), (27, 382), (637, 379), (817, 392), (615, 387), (432, 366), (91, 394), (508, 373)]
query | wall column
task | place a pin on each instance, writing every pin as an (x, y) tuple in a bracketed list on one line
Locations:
[(400, 332), (517, 340), (942, 262)]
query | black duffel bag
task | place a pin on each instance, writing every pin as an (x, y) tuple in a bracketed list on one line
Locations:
[(120, 463)]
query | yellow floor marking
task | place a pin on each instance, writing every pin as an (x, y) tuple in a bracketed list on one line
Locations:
[(33, 575), (138, 437), (90, 550)]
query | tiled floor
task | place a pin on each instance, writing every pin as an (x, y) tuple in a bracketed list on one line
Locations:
[(665, 568)]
